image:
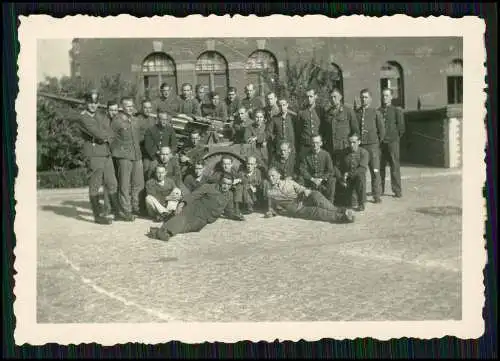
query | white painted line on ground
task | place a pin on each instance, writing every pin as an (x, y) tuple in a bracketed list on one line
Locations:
[(393, 259), (112, 295)]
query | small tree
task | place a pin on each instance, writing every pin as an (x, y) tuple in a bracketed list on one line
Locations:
[(301, 76), (59, 143)]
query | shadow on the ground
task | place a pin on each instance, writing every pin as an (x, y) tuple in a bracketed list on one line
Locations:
[(79, 204), (70, 212)]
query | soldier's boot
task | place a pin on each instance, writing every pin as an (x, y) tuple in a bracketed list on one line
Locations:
[(116, 208), (96, 210), (343, 215)]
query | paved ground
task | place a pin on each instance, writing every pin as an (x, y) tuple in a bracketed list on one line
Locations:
[(401, 260)]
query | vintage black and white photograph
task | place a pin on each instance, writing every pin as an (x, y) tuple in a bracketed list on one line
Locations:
[(276, 177)]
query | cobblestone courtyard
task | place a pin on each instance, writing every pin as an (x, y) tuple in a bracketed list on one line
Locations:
[(400, 260)]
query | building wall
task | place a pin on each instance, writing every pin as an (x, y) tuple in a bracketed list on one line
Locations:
[(423, 60)]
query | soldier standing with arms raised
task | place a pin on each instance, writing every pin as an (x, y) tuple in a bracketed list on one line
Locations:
[(372, 132), (394, 130)]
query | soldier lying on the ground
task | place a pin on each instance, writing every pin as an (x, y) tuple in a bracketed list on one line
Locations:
[(288, 198), (197, 209)]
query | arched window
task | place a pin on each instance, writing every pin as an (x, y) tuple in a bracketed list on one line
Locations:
[(262, 70), (212, 71), (335, 74), (158, 68), (454, 74), (391, 76)]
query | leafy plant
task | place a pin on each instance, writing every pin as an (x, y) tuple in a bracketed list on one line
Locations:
[(59, 144), (301, 76)]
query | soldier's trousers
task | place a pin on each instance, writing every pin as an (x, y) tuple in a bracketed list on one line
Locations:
[(315, 207), (356, 185), (327, 188), (102, 174), (374, 166), (390, 156), (130, 183), (188, 221)]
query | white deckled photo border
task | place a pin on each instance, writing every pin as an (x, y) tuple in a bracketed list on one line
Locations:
[(36, 27)]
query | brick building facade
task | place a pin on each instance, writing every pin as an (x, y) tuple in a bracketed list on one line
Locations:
[(425, 73)]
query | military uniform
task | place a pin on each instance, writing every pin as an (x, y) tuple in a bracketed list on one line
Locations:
[(170, 104), (372, 132), (217, 111), (286, 198), (319, 165), (252, 186), (308, 124), (355, 164), (189, 106), (233, 107), (281, 128), (286, 167), (338, 123), (192, 182), (204, 206), (127, 150), (194, 153), (394, 130), (97, 136), (237, 189), (271, 112), (251, 105), (259, 147), (155, 138)]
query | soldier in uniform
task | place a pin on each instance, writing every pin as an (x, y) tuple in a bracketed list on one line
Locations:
[(252, 184), (215, 108), (281, 129), (187, 103), (338, 123), (288, 198), (316, 170), (147, 119), (372, 132), (308, 123), (256, 136), (233, 103), (159, 192), (352, 164), (127, 151), (197, 177), (252, 102), (157, 136), (168, 101), (394, 130), (97, 135), (285, 163), (271, 108), (228, 167), (201, 94), (241, 121), (204, 206), (171, 164), (111, 112), (192, 152)]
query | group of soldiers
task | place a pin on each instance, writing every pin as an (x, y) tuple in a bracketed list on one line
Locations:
[(309, 164)]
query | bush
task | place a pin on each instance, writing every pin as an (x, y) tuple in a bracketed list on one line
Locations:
[(59, 144), (74, 178), (301, 76)]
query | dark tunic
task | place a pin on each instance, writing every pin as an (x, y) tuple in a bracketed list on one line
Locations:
[(157, 137), (158, 191), (393, 122), (337, 125), (126, 144), (370, 125), (309, 122)]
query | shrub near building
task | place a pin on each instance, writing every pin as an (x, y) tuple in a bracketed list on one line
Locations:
[(60, 161)]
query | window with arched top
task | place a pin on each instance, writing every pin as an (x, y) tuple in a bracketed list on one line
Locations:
[(262, 70), (391, 76), (454, 78), (336, 77), (158, 68), (212, 71)]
